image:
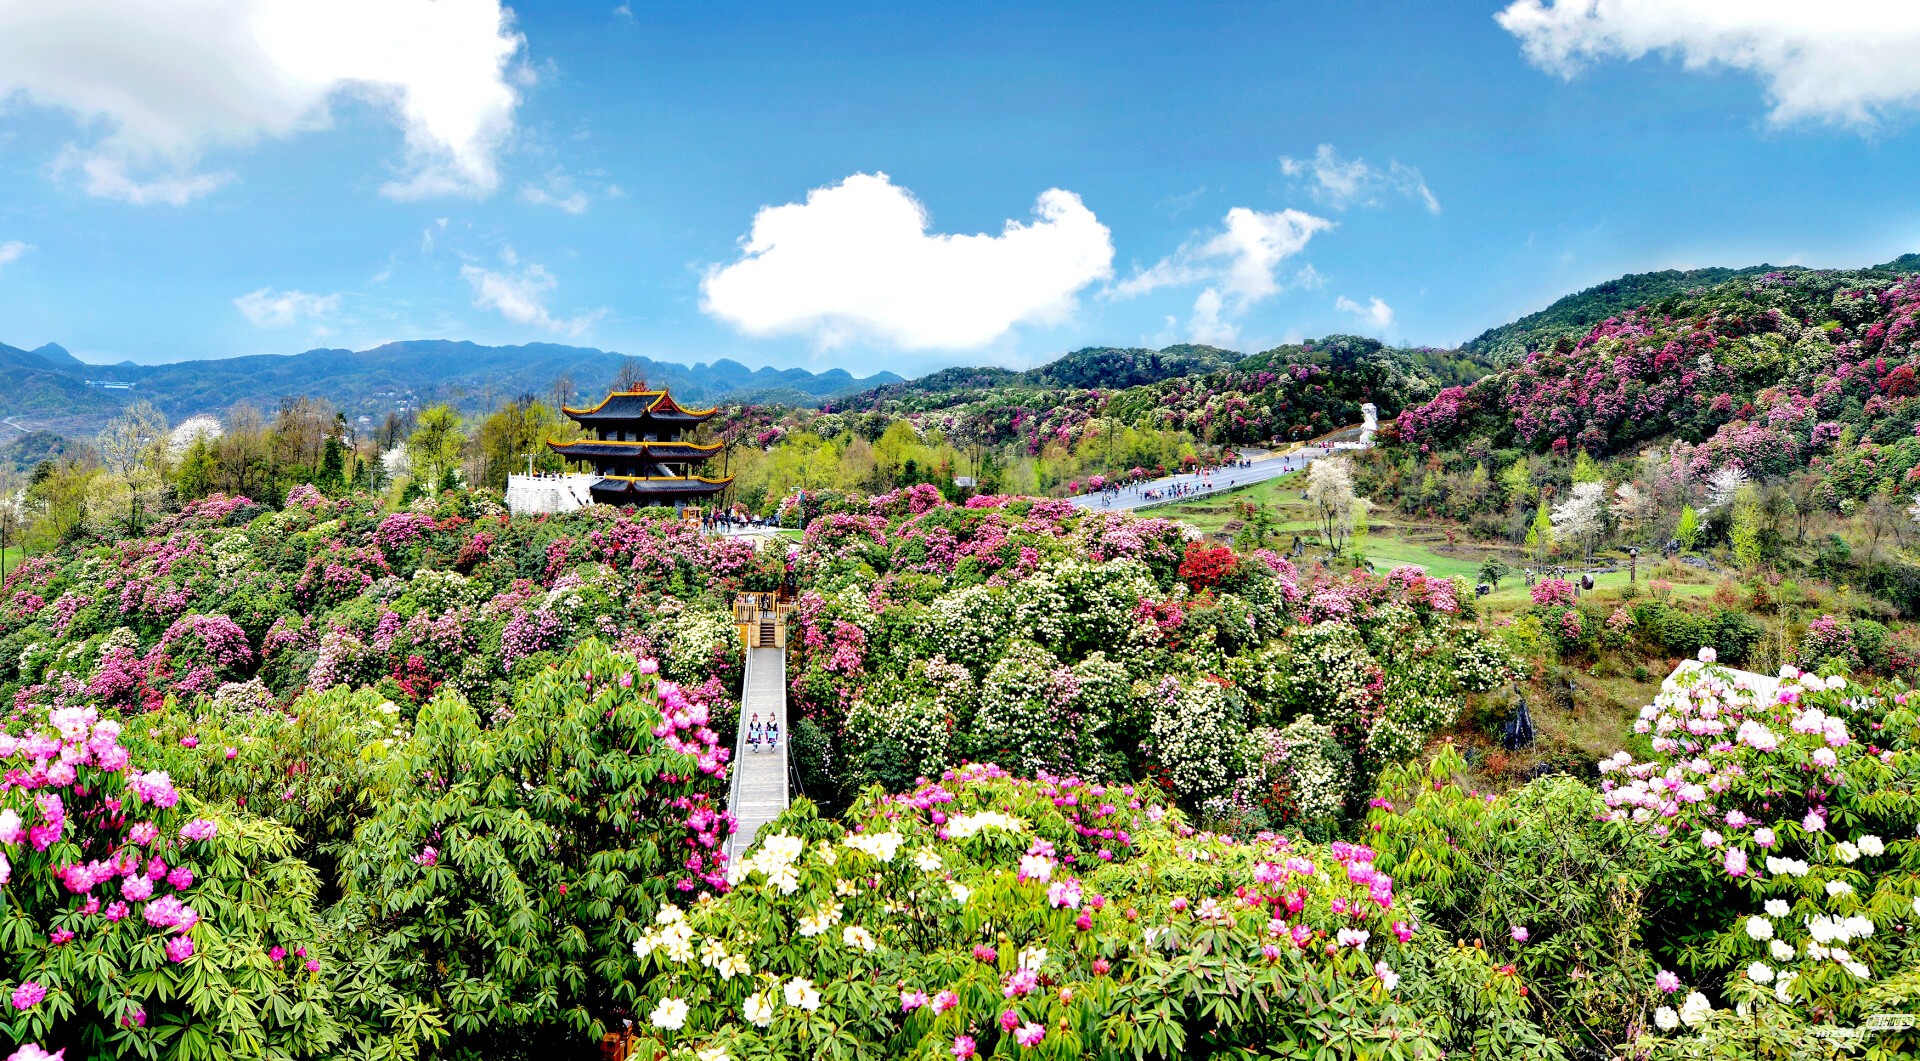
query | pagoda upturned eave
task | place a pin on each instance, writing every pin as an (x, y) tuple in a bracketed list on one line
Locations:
[(628, 490), (592, 449), (638, 405)]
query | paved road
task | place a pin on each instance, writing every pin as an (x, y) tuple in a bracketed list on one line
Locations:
[(759, 777), (1135, 497)]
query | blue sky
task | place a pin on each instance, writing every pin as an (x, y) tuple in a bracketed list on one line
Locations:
[(590, 173)]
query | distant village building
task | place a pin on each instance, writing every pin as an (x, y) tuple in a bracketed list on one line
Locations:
[(639, 453)]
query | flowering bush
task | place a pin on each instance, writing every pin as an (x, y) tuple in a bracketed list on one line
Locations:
[(131, 920), (1553, 593), (498, 881), (1786, 803), (979, 915)]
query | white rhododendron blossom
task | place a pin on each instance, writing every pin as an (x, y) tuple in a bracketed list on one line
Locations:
[(967, 825), (757, 1010), (670, 1014), (801, 994), (882, 846)]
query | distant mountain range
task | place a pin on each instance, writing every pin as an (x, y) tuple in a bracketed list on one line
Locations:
[(50, 387)]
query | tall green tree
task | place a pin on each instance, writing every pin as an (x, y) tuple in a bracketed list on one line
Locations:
[(434, 448), (1516, 480), (518, 429), (1688, 530), (1540, 534), (1745, 533)]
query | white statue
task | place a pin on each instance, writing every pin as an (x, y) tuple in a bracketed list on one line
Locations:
[(1370, 417)]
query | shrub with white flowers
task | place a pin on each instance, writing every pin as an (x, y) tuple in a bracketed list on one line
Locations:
[(1797, 807)]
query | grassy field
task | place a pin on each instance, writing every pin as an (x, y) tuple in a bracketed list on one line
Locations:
[(14, 554), (1391, 541), (1580, 713)]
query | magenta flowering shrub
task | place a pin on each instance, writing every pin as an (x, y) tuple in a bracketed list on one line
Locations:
[(1790, 799), (330, 593), (205, 650), (1553, 593), (116, 895), (1766, 374), (1827, 639)]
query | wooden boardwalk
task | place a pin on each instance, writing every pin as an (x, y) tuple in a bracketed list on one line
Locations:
[(759, 777)]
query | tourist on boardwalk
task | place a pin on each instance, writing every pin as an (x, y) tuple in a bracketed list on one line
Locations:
[(773, 734), (753, 733)]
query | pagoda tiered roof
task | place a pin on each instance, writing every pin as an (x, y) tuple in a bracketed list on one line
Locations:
[(645, 436), (640, 490), (629, 406), (589, 448)]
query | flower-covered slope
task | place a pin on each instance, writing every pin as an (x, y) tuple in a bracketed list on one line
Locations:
[(1767, 372)]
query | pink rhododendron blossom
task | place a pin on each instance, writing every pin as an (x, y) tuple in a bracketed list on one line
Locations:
[(28, 995)]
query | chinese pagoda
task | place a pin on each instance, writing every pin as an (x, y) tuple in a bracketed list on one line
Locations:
[(638, 449)]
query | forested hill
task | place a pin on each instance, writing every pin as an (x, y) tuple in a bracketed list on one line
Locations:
[(1772, 373), (1094, 367), (49, 384), (1570, 317)]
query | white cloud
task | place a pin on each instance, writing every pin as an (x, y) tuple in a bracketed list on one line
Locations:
[(163, 85), (559, 192), (1376, 316), (1207, 324), (268, 308), (521, 296), (12, 251), (1341, 183), (1849, 62), (1238, 265), (856, 260)]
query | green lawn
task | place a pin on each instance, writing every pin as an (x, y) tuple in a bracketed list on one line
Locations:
[(1390, 541)]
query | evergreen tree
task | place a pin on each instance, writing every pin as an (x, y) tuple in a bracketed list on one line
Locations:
[(331, 478), (194, 478), (1540, 535), (1517, 481), (1493, 570), (1745, 534), (1688, 531)]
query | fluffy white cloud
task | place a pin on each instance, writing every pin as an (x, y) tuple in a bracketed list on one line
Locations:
[(1376, 316), (1341, 183), (1847, 62), (857, 260), (12, 251), (165, 83), (268, 308), (1208, 323), (520, 295), (1239, 265)]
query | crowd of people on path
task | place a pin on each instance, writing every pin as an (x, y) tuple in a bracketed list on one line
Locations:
[(731, 523), (765, 734), (1209, 480)]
